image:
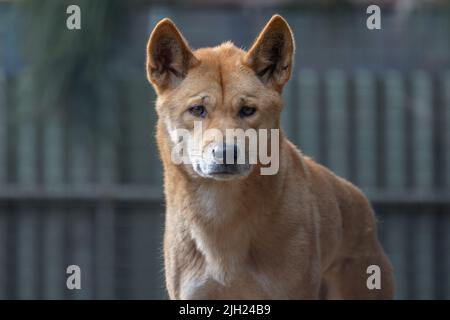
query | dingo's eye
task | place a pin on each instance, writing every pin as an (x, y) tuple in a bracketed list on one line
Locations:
[(246, 111), (198, 111)]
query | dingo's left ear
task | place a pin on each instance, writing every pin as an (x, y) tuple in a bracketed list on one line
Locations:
[(271, 56), (168, 56)]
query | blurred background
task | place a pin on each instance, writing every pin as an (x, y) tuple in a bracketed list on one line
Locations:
[(80, 178)]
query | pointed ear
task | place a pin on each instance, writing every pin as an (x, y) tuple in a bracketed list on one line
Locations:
[(271, 56), (168, 56)]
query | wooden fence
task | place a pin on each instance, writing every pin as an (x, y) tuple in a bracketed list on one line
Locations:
[(90, 194)]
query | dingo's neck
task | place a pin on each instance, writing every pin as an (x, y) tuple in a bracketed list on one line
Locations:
[(223, 216)]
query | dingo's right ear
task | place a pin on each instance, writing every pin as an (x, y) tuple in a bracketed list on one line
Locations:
[(168, 56)]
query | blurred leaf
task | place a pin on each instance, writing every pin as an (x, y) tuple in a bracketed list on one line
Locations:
[(69, 65)]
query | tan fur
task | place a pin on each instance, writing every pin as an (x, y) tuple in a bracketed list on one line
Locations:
[(303, 233)]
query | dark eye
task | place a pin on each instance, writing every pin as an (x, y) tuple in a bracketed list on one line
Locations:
[(198, 111), (246, 111)]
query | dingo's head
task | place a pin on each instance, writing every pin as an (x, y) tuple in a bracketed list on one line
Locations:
[(218, 89)]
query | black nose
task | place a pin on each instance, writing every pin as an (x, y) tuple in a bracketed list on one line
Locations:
[(220, 153)]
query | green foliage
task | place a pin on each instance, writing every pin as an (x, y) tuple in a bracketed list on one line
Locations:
[(69, 65)]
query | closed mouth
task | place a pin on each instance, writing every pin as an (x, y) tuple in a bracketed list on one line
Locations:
[(224, 170)]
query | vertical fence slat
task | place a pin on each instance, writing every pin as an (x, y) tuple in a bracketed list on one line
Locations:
[(4, 259), (424, 256), (80, 168), (123, 244), (440, 244), (53, 178), (396, 248), (446, 257), (3, 253), (26, 142), (136, 223), (422, 130), (365, 109), (82, 233), (145, 254), (26, 177), (422, 117), (105, 248), (337, 120), (27, 254), (446, 107), (54, 271), (309, 96), (3, 177), (395, 131), (139, 137), (105, 213), (3, 129)]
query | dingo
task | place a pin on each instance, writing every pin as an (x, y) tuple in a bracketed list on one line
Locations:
[(232, 232)]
